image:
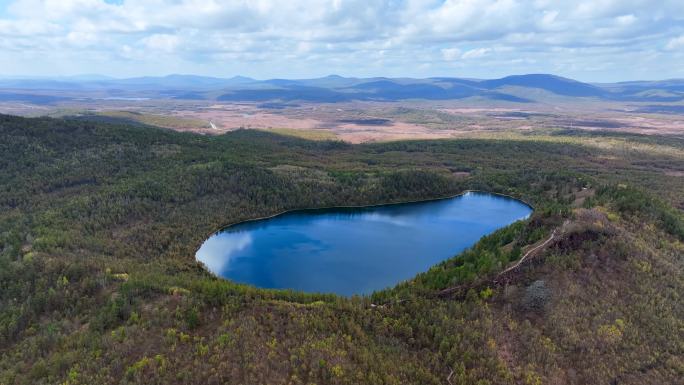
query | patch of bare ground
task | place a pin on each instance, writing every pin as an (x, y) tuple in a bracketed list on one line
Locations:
[(652, 125), (235, 118), (355, 133), (358, 122), (475, 110), (582, 195)]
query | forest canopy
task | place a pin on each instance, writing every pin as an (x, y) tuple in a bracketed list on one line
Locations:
[(99, 223)]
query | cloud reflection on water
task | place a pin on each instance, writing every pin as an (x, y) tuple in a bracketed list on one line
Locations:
[(217, 252), (355, 250)]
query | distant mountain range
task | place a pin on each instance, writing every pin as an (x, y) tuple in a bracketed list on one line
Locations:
[(333, 88)]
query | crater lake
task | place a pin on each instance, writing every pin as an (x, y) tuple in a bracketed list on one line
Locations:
[(355, 250)]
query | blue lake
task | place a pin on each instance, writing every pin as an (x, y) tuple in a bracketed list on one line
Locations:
[(355, 250)]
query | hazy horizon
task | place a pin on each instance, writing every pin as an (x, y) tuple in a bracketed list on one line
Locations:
[(105, 77)]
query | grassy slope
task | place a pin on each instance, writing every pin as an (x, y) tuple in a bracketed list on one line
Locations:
[(304, 134), (99, 224), (134, 117)]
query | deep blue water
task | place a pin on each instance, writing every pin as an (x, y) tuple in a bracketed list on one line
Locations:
[(355, 250)]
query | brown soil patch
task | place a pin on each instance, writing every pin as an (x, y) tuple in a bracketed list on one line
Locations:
[(235, 117), (355, 133)]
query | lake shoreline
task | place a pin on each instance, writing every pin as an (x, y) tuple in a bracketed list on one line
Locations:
[(267, 246), (462, 193)]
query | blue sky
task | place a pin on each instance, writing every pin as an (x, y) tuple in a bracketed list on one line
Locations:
[(590, 40)]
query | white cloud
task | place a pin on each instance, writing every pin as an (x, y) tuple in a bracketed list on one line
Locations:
[(476, 53), (675, 43), (161, 42), (450, 54), (625, 20), (266, 38), (27, 28), (548, 19)]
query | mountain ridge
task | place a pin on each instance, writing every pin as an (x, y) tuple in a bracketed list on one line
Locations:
[(335, 88)]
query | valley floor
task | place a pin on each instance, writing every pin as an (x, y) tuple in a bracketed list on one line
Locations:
[(362, 122)]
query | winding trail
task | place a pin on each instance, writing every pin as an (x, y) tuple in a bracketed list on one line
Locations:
[(510, 268), (529, 252), (454, 289)]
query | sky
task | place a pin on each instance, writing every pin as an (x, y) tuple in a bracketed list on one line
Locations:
[(589, 40)]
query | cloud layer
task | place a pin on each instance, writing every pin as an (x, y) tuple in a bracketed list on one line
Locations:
[(588, 39)]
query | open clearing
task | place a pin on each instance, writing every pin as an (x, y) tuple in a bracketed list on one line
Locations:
[(359, 122)]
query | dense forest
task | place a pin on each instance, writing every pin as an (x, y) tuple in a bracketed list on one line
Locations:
[(99, 223)]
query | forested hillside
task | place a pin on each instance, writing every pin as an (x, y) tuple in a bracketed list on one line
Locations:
[(99, 223)]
